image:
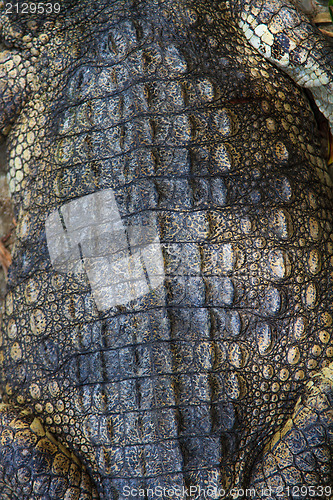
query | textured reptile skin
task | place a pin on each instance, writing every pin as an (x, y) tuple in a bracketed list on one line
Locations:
[(220, 377)]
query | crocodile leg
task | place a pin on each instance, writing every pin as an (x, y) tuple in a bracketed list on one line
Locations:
[(296, 463), (34, 465), (284, 35)]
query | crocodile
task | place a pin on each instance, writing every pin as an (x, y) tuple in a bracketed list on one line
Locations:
[(167, 329)]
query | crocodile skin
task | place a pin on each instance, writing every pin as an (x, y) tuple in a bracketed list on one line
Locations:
[(220, 377)]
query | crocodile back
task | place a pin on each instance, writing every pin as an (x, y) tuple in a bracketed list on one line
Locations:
[(166, 113)]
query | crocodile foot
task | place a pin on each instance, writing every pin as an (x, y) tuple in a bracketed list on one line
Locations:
[(34, 466), (296, 463)]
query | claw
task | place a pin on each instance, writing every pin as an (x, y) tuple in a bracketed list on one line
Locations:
[(5, 258), (330, 149), (322, 17), (325, 32)]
